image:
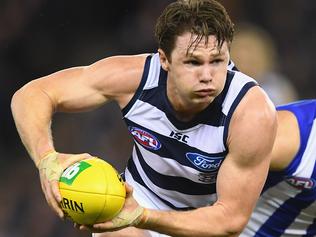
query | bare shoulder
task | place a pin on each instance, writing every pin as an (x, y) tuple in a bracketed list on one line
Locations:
[(258, 105), (117, 77), (253, 126)]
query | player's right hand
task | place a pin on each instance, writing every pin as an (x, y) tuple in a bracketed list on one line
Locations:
[(50, 167), (131, 215)]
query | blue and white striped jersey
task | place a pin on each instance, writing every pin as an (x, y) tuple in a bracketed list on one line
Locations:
[(287, 206), (177, 162)]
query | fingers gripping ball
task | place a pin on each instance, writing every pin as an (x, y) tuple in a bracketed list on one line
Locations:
[(92, 191)]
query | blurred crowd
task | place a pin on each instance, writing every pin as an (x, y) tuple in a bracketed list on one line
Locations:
[(274, 43)]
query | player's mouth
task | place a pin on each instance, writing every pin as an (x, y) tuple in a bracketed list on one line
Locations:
[(205, 92)]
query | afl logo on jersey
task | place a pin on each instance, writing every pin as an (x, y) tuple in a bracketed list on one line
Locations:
[(145, 138), (301, 183), (204, 163)]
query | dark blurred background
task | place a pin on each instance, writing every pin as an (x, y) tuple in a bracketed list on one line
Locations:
[(275, 43)]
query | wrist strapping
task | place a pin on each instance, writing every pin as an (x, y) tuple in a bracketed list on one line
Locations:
[(50, 166), (125, 218), (142, 219)]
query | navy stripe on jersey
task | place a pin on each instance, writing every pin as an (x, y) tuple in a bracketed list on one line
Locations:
[(162, 77), (174, 183), (241, 94), (140, 87), (311, 230), (229, 77), (133, 170)]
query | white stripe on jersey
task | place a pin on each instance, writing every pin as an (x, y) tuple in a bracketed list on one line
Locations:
[(306, 166), (239, 81), (153, 73), (177, 199), (156, 120), (168, 166), (143, 197)]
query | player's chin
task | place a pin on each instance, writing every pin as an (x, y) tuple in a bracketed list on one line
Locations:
[(203, 100)]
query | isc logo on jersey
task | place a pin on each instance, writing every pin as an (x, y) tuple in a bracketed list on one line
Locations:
[(204, 163), (301, 183), (146, 139)]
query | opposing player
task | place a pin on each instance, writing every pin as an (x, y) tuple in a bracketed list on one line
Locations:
[(287, 206), (203, 133)]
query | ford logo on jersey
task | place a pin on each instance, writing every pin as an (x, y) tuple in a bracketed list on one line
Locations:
[(204, 163), (145, 138), (301, 183)]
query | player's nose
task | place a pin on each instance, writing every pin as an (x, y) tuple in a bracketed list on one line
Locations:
[(206, 74)]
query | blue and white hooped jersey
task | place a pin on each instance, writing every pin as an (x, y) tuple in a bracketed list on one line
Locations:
[(177, 162), (287, 206)]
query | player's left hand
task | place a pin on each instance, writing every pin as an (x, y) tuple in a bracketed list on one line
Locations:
[(132, 214), (50, 169)]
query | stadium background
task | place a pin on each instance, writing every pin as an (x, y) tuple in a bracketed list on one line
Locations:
[(38, 37)]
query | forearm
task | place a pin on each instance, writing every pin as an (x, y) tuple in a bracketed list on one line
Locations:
[(32, 110), (207, 221)]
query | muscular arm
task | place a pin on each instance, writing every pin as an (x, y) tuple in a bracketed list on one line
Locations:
[(240, 179), (71, 90)]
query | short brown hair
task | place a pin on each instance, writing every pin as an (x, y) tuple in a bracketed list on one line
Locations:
[(200, 17)]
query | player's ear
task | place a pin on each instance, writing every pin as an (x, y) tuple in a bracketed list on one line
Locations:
[(163, 60)]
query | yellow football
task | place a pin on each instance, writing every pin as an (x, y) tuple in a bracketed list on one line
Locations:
[(92, 191)]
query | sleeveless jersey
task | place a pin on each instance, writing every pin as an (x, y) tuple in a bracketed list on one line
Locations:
[(287, 206), (177, 162)]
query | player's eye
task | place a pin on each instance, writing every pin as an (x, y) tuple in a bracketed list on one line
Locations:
[(193, 62), (217, 61)]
